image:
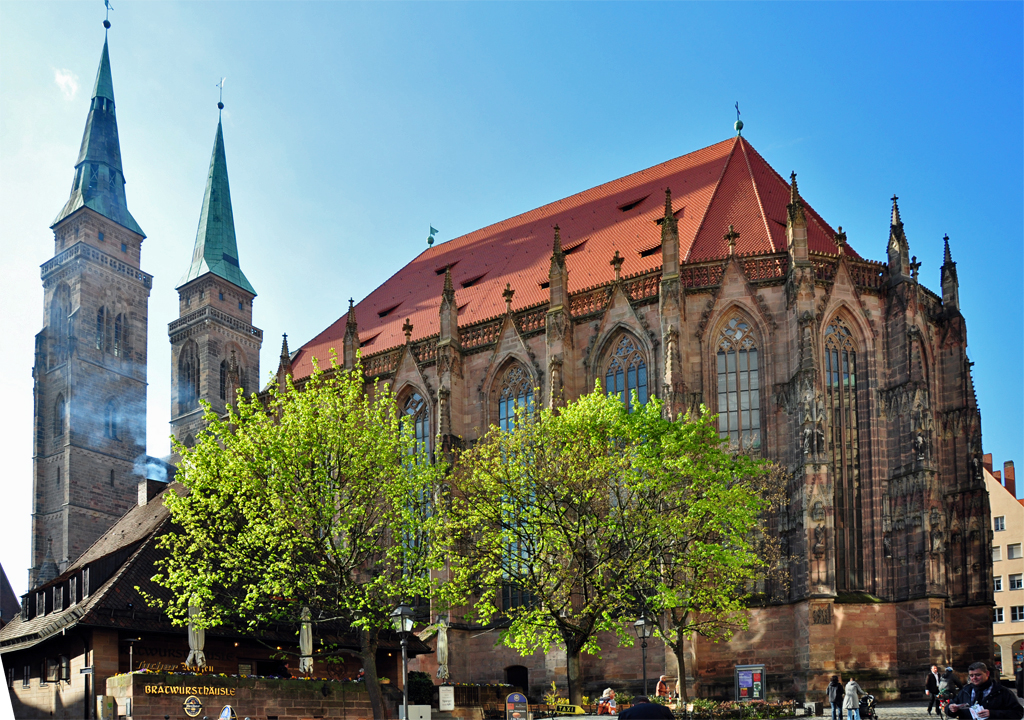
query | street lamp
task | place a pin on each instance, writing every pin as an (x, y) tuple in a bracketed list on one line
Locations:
[(401, 619), (642, 628)]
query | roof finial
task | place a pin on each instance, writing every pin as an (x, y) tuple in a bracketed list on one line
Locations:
[(668, 202), (557, 248), (220, 101), (739, 123), (407, 329), (947, 257), (915, 266), (106, 20), (430, 238), (351, 318), (449, 288), (794, 191), (840, 239), (730, 237), (895, 212), (507, 293), (616, 262)]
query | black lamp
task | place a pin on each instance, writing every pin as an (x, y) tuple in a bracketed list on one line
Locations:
[(402, 620), (643, 627)]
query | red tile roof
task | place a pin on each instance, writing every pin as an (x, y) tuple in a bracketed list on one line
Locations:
[(728, 183)]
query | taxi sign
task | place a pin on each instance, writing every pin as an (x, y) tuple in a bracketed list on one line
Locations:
[(568, 709)]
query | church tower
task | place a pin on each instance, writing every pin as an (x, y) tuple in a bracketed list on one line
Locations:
[(215, 350), (90, 357)]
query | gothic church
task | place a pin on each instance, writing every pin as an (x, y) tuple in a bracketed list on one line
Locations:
[(707, 279)]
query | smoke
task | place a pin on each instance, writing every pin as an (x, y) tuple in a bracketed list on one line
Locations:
[(67, 81), (150, 468)]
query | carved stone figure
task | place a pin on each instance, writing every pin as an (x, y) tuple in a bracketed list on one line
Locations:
[(819, 541)]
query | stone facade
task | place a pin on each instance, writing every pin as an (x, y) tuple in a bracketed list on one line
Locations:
[(90, 357), (862, 392)]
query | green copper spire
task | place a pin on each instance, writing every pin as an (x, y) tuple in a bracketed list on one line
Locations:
[(216, 251), (99, 179)]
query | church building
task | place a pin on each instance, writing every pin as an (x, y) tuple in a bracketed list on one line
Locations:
[(705, 280), (709, 280)]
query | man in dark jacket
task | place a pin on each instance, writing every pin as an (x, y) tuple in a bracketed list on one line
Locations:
[(835, 697), (993, 700), (931, 689), (644, 709)]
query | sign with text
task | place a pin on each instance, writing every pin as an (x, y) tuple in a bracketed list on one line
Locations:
[(192, 706), (516, 707), (750, 682), (446, 698)]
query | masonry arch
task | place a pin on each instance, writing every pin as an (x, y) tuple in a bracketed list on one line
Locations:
[(513, 385), (188, 377), (624, 366), (414, 403), (737, 372)]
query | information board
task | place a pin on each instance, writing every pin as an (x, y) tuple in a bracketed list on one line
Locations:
[(750, 682), (516, 707), (446, 698)]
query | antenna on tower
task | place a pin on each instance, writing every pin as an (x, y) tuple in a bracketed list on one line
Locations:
[(739, 123), (106, 20), (220, 101)]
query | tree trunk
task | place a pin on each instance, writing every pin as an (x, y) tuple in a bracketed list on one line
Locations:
[(368, 654), (572, 674), (680, 650)]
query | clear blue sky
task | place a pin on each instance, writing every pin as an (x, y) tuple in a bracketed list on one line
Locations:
[(352, 127)]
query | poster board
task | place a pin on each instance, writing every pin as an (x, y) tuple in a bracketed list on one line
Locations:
[(750, 682), (446, 698), (516, 707)]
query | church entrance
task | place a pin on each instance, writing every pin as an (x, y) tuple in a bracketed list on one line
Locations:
[(518, 676)]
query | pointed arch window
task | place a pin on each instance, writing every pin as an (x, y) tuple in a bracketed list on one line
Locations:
[(188, 377), (844, 446), (59, 416), (739, 386), (110, 420), (223, 379), (627, 372), (415, 408), (516, 391), (101, 328), (120, 335), (60, 323)]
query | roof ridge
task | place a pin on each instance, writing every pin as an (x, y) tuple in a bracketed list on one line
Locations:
[(711, 201), (757, 194)]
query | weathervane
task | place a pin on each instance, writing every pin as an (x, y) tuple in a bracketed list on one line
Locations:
[(739, 123), (106, 20), (220, 101), (430, 238)]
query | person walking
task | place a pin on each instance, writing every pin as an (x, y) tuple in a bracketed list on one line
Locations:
[(851, 699), (983, 697), (606, 703), (662, 689), (834, 692), (931, 689)]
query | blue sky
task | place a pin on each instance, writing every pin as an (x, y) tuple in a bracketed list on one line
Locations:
[(352, 127)]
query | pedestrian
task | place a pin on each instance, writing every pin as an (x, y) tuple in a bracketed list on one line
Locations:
[(1020, 680), (931, 689), (851, 699), (983, 698), (662, 690), (644, 709), (835, 697), (606, 703)]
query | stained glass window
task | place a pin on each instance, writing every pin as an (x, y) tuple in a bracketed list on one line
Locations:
[(516, 392), (739, 386), (627, 372), (844, 446)]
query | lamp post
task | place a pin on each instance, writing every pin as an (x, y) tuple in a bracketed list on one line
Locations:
[(131, 655), (642, 628), (401, 619)]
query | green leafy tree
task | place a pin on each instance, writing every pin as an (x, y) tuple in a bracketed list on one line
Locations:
[(709, 554), (316, 499), (546, 526)]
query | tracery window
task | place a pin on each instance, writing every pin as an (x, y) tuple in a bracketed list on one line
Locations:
[(188, 377), (60, 324), (415, 408), (59, 416), (844, 446), (516, 392), (627, 372), (739, 386)]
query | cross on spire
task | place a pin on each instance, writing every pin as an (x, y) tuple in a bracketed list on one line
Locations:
[(407, 329), (616, 263), (730, 237), (507, 293)]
